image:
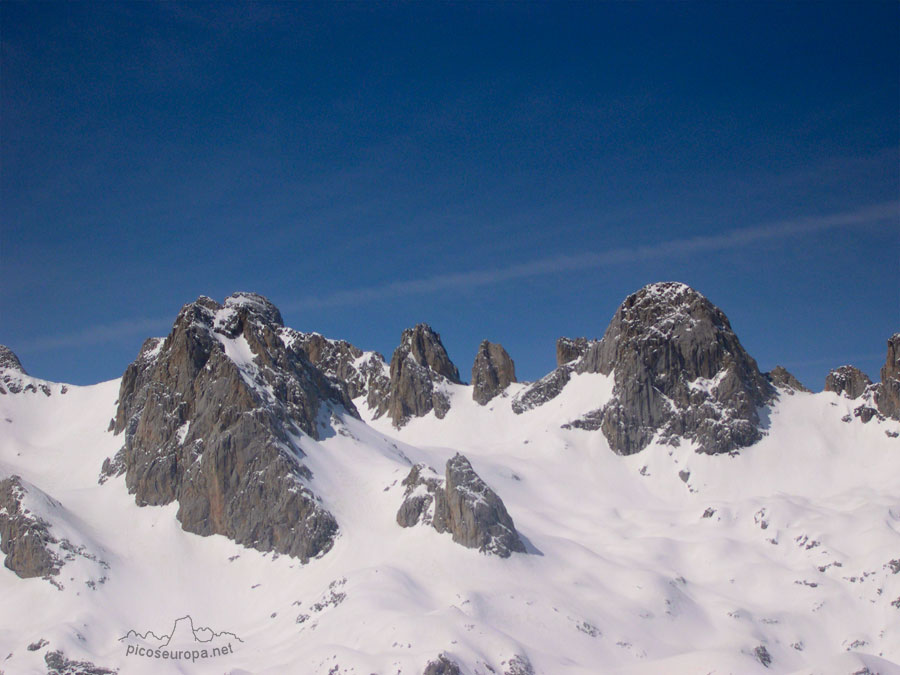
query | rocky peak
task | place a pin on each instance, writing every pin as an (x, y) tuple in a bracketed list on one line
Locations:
[(14, 379), (241, 307), (419, 368), (425, 346), (848, 381), (210, 416), (888, 395), (492, 372), (680, 372), (9, 360), (780, 377)]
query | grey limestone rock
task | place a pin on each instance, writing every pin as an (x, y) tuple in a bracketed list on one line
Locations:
[(24, 537), (887, 397), (9, 361), (462, 504), (680, 372), (848, 381), (363, 373), (492, 372), (58, 664), (570, 349), (442, 665), (14, 379), (781, 378), (209, 416), (418, 367), (569, 356), (422, 484)]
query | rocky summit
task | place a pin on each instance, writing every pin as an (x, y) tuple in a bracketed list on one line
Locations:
[(210, 416), (419, 368), (492, 372), (782, 378), (847, 381), (680, 372), (888, 396), (461, 503)]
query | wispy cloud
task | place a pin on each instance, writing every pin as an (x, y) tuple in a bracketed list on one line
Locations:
[(883, 213), (877, 214), (98, 334)]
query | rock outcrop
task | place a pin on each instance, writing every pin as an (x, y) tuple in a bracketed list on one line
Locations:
[(461, 503), (25, 538), (887, 398), (363, 373), (570, 349), (492, 372), (210, 418), (442, 665), (781, 378), (9, 361), (680, 372), (14, 379), (847, 381), (419, 368), (569, 355)]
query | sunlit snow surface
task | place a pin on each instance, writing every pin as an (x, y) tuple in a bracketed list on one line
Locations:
[(624, 573)]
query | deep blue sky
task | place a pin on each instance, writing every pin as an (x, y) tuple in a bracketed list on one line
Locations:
[(504, 171)]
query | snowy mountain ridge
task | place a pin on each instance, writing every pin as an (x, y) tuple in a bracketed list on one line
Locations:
[(755, 529)]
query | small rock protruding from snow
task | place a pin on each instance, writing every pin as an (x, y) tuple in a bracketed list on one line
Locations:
[(462, 504), (492, 372), (442, 665)]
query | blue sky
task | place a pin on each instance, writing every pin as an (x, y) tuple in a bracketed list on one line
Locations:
[(508, 171)]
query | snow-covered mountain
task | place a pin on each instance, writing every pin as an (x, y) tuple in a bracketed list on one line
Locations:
[(249, 498)]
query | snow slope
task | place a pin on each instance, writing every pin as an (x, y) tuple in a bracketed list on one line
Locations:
[(781, 554)]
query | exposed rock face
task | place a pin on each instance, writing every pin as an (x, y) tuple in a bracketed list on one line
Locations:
[(461, 504), (58, 664), (209, 416), (422, 483), (441, 666), (14, 379), (492, 372), (363, 373), (418, 367), (680, 372), (569, 349), (569, 355), (781, 378), (24, 537), (9, 361), (888, 396), (848, 381)]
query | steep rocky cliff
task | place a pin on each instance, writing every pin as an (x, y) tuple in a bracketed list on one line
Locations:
[(209, 417), (492, 372)]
